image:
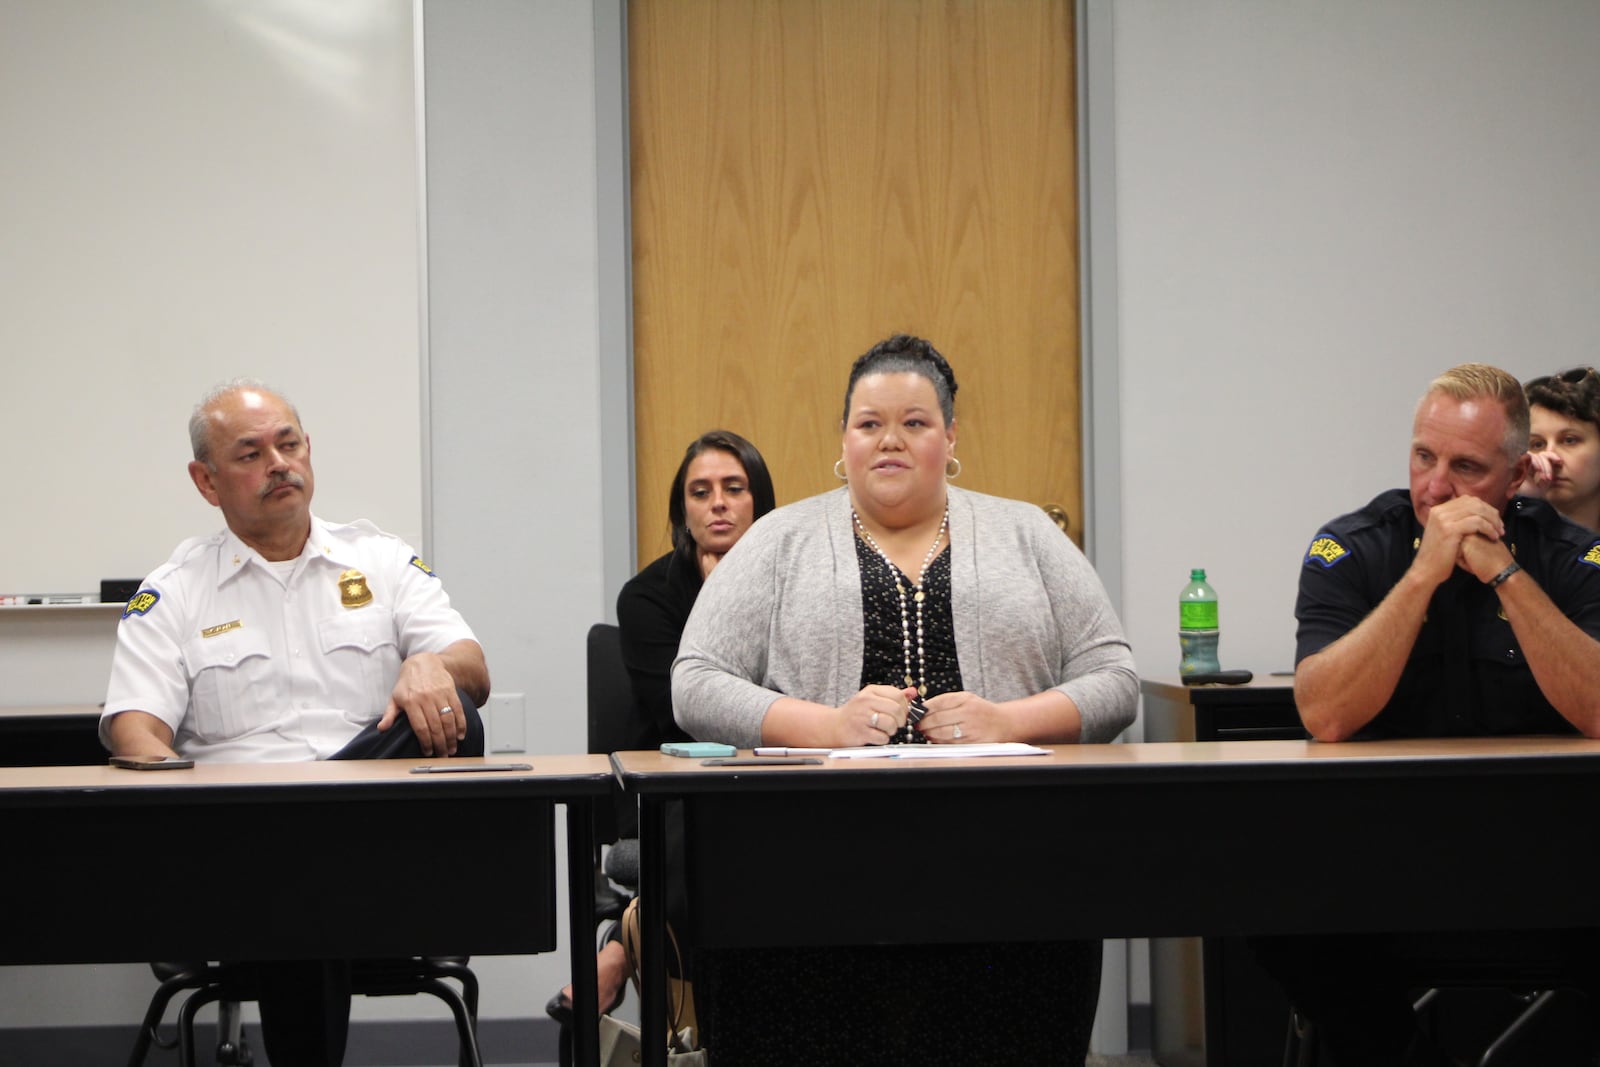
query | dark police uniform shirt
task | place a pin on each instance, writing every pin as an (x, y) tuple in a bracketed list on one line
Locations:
[(1466, 675)]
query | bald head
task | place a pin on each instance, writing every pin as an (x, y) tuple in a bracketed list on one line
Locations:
[(203, 420)]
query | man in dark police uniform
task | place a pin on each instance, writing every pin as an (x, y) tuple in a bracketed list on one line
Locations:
[(1453, 609)]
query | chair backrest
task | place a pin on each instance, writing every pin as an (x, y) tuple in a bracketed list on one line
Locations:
[(614, 724)]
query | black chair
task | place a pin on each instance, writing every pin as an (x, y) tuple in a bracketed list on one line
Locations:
[(614, 726), (1525, 997), (229, 985)]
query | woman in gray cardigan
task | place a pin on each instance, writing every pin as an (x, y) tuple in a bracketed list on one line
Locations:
[(901, 608)]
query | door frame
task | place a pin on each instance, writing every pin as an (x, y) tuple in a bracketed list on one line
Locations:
[(1099, 338)]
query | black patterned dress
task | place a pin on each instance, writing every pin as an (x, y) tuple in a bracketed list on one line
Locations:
[(1016, 1002)]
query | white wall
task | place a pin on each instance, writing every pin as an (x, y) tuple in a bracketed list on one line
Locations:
[(515, 383), (1321, 206), (515, 410), (195, 191)]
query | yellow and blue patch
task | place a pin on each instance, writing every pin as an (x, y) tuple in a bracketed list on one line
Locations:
[(141, 602), (416, 561), (1592, 556), (1326, 551)]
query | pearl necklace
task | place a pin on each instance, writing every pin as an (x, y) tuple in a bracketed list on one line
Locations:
[(921, 681)]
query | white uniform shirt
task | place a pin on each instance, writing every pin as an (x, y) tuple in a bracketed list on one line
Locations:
[(247, 665)]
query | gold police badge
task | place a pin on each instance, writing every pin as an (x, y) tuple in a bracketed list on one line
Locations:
[(353, 590)]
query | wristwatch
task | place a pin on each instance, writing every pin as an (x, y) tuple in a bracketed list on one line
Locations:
[(1503, 575)]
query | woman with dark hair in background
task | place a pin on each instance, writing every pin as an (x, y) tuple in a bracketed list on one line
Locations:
[(722, 486), (1564, 443)]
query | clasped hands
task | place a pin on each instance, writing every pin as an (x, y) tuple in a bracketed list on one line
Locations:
[(1464, 532), (875, 714)]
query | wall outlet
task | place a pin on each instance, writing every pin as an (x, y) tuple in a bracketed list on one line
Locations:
[(504, 719)]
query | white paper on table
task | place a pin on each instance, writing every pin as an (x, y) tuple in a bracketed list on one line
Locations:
[(1001, 748)]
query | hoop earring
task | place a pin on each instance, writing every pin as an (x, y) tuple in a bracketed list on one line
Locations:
[(952, 474), (837, 473)]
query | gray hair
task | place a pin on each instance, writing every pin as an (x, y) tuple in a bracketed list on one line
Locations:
[(199, 428)]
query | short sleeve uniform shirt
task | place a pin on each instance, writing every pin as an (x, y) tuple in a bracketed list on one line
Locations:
[(1466, 675), (250, 660)]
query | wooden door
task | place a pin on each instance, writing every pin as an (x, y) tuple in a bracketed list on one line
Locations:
[(811, 176)]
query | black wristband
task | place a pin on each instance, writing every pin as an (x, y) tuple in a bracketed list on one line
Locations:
[(1503, 575)]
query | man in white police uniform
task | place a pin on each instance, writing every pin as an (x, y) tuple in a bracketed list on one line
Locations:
[(284, 637)]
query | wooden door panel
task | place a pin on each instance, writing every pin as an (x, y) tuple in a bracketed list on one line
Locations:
[(810, 176)]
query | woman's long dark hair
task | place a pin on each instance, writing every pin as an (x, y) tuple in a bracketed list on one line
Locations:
[(756, 477)]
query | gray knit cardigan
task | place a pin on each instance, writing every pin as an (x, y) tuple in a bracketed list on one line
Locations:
[(781, 615)]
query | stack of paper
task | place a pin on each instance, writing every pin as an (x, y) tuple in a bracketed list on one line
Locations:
[(1003, 748)]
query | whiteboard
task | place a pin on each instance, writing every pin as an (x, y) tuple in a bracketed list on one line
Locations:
[(192, 191)]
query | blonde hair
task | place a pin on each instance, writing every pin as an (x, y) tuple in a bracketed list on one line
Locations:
[(1479, 381)]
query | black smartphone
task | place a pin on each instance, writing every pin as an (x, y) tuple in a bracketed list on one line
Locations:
[(151, 763)]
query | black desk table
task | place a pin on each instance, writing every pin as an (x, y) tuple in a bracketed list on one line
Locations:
[(1238, 1019), (50, 735), (782, 855), (299, 860)]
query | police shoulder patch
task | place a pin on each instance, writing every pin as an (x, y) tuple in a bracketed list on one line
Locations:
[(141, 602), (416, 561), (1591, 556), (1325, 551)]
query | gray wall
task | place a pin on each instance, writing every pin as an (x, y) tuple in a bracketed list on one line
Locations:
[(1321, 206), (1317, 208)]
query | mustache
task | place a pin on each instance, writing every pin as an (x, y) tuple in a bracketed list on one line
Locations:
[(278, 483)]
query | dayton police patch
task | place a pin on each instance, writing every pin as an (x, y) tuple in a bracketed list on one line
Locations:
[(1325, 551), (416, 561), (141, 602), (1592, 557)]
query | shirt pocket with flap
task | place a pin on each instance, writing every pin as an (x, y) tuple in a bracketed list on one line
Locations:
[(361, 661), (232, 686)]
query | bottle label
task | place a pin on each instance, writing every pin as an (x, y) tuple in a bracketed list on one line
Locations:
[(1197, 615), (1199, 652)]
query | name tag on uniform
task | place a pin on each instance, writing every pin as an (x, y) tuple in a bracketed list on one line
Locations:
[(222, 628)]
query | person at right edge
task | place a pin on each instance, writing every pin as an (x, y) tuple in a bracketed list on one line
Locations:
[(1456, 609)]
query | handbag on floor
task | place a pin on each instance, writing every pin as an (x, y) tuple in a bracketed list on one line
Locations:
[(682, 1038), (620, 1047)]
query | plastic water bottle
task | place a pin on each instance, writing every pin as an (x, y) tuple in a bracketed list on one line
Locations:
[(1197, 626)]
